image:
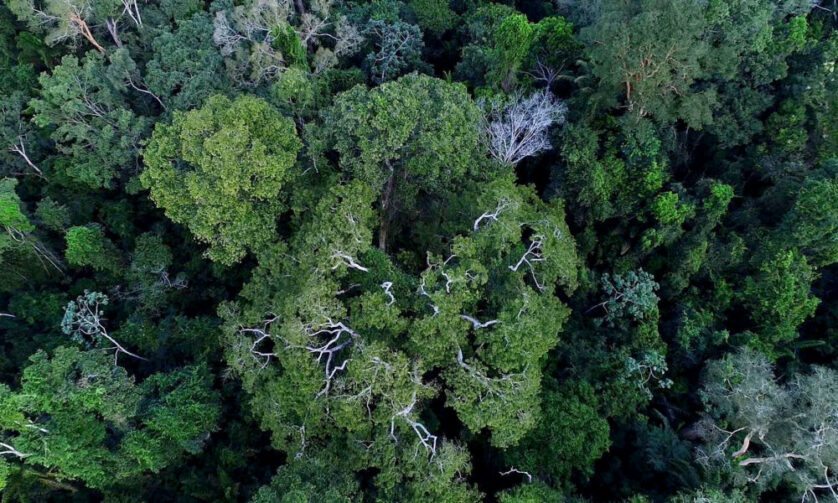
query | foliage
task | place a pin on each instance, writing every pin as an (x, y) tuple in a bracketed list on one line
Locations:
[(70, 404), (418, 250), (220, 171), (88, 246), (85, 103)]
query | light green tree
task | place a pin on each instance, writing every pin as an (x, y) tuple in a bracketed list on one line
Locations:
[(220, 170)]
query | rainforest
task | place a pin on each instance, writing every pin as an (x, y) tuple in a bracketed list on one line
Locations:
[(419, 251)]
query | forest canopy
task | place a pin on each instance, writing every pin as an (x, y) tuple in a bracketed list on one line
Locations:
[(513, 251)]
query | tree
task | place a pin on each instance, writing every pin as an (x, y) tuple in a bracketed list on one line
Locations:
[(501, 40), (186, 68), (779, 299), (16, 133), (18, 243), (431, 142), (653, 51), (88, 246), (811, 224), (518, 129), (260, 41), (629, 296), (435, 16), (537, 492), (220, 170), (67, 20), (398, 47), (552, 52), (149, 278), (764, 433), (86, 105), (77, 416), (83, 321), (570, 437)]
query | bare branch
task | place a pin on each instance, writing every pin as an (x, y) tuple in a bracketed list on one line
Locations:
[(477, 324), (337, 337), (20, 149), (515, 470), (387, 285), (533, 254), (518, 129), (11, 450), (502, 204), (348, 261), (426, 439)]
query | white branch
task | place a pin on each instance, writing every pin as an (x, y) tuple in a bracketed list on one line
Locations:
[(387, 285), (20, 149), (338, 337), (11, 450), (477, 324), (515, 470), (348, 261), (533, 254), (425, 437), (491, 215)]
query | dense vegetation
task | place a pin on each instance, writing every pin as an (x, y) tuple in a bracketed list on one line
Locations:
[(419, 250)]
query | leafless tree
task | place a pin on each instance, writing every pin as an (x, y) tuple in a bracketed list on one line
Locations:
[(246, 34), (517, 129)]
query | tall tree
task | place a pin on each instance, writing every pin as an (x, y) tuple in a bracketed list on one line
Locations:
[(220, 170)]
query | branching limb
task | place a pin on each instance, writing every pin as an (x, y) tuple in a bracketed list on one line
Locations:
[(337, 337), (133, 10), (779, 457), (478, 324), (426, 439), (493, 216), (113, 29), (146, 91), (520, 472), (85, 31), (533, 254), (11, 450), (348, 261), (20, 149), (387, 285)]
